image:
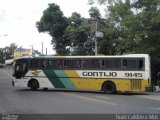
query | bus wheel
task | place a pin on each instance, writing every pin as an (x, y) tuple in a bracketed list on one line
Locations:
[(34, 85), (109, 87)]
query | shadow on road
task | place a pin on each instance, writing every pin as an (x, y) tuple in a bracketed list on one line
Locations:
[(87, 91)]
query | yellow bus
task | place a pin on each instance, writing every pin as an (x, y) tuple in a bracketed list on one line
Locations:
[(102, 73)]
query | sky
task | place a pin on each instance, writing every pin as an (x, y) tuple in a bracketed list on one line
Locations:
[(18, 21)]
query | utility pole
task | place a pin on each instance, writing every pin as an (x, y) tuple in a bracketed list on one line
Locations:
[(46, 51), (95, 38), (42, 48), (98, 34), (5, 55), (32, 50)]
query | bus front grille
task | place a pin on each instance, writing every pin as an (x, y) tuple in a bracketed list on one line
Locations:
[(136, 84)]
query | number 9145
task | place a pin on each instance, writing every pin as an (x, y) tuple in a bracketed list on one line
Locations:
[(133, 74)]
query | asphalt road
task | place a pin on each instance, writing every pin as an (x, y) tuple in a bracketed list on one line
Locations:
[(24, 101)]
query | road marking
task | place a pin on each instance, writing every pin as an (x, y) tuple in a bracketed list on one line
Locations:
[(104, 97), (151, 97), (91, 99), (155, 108)]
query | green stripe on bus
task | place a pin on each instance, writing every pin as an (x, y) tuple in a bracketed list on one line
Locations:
[(54, 79), (64, 79)]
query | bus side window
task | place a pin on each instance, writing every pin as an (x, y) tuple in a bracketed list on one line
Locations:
[(50, 64), (117, 63), (41, 64), (141, 64), (87, 64), (55, 64), (107, 63), (44, 64), (132, 64), (96, 63), (34, 64), (124, 64), (72, 63), (78, 63), (69, 64)]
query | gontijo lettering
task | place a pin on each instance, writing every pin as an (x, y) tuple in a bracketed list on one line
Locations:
[(100, 74)]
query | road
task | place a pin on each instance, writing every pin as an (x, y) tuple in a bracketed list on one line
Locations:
[(23, 101)]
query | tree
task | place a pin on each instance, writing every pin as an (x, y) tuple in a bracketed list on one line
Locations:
[(11, 48), (1, 55), (78, 33), (107, 44), (137, 24), (7, 52), (149, 17), (55, 24), (94, 13)]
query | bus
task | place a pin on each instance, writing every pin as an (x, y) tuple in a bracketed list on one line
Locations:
[(110, 74)]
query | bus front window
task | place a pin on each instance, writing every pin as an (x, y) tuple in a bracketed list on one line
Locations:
[(20, 69), (17, 68)]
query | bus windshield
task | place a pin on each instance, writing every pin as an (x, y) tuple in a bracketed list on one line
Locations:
[(20, 68)]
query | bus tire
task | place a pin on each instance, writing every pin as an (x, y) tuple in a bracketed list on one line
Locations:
[(109, 87), (34, 85)]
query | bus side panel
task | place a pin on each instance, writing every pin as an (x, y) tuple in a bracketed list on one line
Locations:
[(66, 81), (33, 74), (19, 82), (96, 83), (84, 83), (59, 79), (71, 79), (131, 85)]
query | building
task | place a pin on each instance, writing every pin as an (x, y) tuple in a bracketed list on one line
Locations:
[(20, 52)]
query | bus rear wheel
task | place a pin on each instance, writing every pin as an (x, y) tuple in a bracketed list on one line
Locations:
[(34, 85), (109, 87)]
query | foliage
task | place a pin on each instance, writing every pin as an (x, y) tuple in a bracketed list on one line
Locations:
[(55, 24), (7, 52), (78, 33), (1, 56), (94, 13), (131, 26), (70, 36), (134, 25)]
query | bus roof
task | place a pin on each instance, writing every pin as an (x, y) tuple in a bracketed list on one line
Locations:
[(103, 56)]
